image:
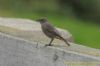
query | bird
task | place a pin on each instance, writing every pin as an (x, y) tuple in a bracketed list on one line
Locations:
[(50, 31)]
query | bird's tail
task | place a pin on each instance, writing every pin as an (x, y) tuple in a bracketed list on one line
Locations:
[(64, 40)]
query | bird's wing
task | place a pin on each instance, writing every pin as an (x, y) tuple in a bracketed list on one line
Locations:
[(53, 30)]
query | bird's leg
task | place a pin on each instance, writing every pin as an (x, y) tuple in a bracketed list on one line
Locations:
[(50, 42)]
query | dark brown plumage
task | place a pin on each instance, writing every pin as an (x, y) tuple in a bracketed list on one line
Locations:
[(50, 31)]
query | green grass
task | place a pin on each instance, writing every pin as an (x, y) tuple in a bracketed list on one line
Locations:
[(84, 32)]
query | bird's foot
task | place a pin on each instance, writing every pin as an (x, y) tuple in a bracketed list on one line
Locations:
[(48, 45)]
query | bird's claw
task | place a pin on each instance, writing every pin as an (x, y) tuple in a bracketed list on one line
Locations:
[(48, 45)]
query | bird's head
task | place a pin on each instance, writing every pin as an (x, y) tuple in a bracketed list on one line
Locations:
[(42, 20)]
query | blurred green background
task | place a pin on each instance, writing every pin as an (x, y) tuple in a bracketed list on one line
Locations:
[(80, 17)]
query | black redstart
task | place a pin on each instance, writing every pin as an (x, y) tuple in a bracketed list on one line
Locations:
[(50, 31)]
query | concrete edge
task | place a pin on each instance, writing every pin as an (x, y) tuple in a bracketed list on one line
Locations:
[(39, 44)]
